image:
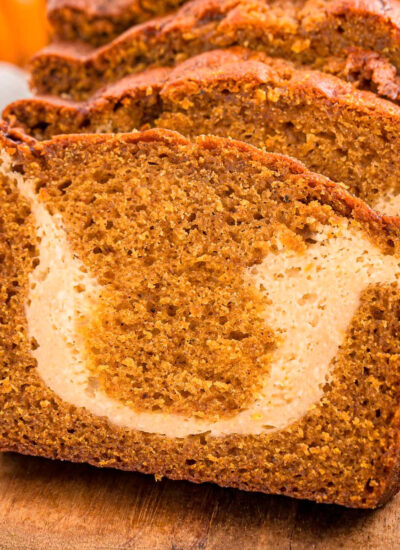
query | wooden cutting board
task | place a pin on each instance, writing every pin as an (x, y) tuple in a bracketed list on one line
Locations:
[(48, 505)]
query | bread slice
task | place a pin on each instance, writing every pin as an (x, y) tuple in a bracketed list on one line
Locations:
[(198, 310), (348, 135), (99, 21), (320, 33)]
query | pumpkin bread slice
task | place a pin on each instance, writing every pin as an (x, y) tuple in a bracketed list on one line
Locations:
[(99, 21), (199, 310)]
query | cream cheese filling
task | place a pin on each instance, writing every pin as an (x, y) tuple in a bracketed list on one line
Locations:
[(388, 204), (312, 298)]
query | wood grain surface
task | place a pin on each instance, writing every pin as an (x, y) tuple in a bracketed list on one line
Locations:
[(48, 505)]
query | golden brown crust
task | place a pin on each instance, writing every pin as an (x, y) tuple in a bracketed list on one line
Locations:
[(310, 32), (315, 117), (343, 451)]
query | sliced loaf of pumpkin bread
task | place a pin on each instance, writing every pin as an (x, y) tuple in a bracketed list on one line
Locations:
[(360, 40), (348, 135)]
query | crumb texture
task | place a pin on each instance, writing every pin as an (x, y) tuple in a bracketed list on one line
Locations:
[(299, 305)]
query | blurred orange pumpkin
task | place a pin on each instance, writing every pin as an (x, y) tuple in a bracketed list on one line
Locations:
[(23, 29)]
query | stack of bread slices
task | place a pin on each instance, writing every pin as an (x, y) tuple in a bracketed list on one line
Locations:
[(200, 247)]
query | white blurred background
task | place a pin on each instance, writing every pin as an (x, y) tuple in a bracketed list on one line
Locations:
[(13, 84)]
